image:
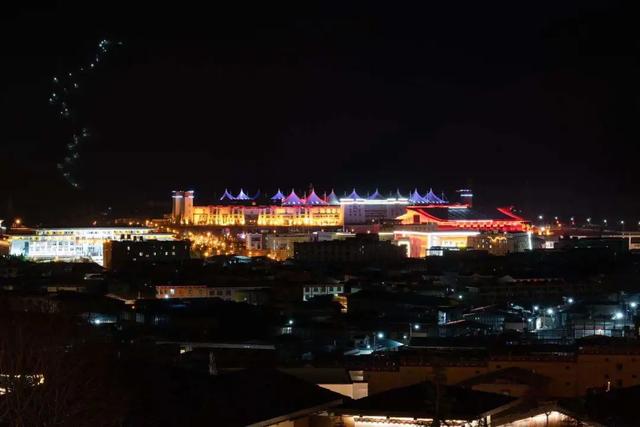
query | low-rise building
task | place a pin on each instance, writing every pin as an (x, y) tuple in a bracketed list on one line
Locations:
[(255, 295), (120, 253), (362, 248)]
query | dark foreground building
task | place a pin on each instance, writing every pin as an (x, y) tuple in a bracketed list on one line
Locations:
[(117, 254), (364, 248)]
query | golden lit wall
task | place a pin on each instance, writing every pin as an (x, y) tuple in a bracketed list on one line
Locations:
[(269, 215), (218, 215), (301, 215)]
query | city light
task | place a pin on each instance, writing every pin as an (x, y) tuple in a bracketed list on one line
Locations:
[(633, 304), (619, 315), (549, 311), (570, 300), (536, 308), (416, 327), (380, 335), (290, 322)]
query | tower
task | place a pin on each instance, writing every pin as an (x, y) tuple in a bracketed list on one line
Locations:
[(177, 206), (187, 213)]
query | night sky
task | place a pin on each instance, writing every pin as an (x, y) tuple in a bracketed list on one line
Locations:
[(532, 106)]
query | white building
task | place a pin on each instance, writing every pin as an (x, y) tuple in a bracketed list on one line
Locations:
[(311, 291), (76, 244)]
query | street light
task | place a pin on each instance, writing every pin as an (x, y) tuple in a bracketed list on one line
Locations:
[(416, 327), (540, 217), (549, 311), (380, 335), (633, 304), (570, 300)]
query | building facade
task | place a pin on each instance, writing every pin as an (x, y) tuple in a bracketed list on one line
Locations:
[(295, 211), (119, 253), (77, 244)]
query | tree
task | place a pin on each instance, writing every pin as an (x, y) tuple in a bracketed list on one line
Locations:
[(54, 374)]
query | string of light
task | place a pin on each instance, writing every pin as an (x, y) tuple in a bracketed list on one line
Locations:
[(65, 88)]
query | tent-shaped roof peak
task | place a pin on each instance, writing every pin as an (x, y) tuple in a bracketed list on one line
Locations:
[(332, 199), (226, 195), (278, 196), (242, 196), (376, 196), (313, 199), (292, 199), (415, 197), (431, 197), (353, 195)]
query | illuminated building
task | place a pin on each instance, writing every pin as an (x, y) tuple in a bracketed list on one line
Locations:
[(182, 206), (74, 244), (276, 211), (291, 210), (464, 217), (423, 223), (375, 207), (427, 230)]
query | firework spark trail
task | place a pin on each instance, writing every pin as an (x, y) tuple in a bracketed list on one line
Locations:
[(64, 87)]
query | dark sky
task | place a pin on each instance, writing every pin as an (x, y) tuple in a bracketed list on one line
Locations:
[(533, 104)]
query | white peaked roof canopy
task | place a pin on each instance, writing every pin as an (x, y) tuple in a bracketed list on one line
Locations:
[(332, 199), (313, 199), (415, 197), (292, 199), (353, 195), (431, 197), (242, 196), (399, 195), (376, 196), (278, 195), (226, 195)]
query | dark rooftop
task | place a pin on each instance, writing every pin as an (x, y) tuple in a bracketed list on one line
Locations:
[(419, 401)]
